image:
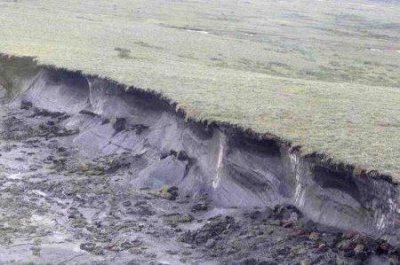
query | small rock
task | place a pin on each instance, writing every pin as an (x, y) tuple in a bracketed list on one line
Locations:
[(359, 248), (314, 236), (61, 149), (170, 193), (322, 247), (136, 251), (173, 190), (89, 247), (214, 228), (126, 203), (126, 245), (287, 212), (98, 251), (186, 253), (176, 218), (51, 123), (384, 247), (344, 244), (349, 235), (201, 206), (210, 243)]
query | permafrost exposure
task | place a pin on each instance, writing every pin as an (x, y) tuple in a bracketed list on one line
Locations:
[(92, 171)]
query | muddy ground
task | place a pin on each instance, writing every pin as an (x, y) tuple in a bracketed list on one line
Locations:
[(58, 207)]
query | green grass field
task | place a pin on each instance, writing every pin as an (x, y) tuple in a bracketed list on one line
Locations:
[(322, 74)]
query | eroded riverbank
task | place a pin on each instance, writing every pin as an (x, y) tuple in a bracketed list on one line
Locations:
[(94, 173)]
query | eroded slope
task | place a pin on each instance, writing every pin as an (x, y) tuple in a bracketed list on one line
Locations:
[(94, 173)]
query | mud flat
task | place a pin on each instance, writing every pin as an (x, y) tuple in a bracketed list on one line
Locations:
[(94, 172)]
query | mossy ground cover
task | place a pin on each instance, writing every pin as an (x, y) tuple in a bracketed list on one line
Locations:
[(321, 74)]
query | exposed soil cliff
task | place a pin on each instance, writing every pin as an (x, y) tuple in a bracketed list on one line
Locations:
[(106, 142)]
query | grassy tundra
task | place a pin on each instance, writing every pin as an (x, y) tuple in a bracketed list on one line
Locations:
[(322, 74)]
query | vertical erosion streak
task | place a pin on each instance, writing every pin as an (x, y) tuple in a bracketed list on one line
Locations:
[(217, 178), (299, 196)]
